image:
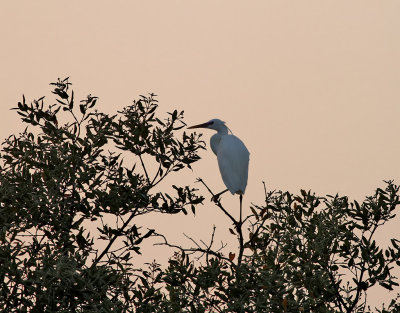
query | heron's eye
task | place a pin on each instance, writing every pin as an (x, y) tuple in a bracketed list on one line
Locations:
[(210, 123)]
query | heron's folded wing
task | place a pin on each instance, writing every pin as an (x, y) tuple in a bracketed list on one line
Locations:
[(233, 161)]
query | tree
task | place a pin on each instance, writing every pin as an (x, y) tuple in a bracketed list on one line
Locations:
[(56, 179), (301, 253)]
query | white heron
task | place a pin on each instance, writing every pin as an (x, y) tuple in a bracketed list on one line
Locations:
[(232, 156)]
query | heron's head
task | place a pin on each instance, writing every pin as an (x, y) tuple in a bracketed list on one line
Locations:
[(215, 124)]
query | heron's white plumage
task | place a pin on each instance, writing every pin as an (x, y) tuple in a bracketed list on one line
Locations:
[(232, 156), (233, 162)]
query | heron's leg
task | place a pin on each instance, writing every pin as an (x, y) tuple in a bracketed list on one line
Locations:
[(240, 232), (215, 197), (241, 198)]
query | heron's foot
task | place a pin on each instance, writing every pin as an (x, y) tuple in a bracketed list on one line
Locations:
[(215, 198)]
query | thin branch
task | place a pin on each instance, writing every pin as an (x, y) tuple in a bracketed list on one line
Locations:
[(144, 168), (192, 240), (154, 179), (167, 171), (218, 203), (255, 234), (114, 238), (211, 242), (207, 251), (265, 193), (238, 224)]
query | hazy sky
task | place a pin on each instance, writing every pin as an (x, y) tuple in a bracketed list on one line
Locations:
[(311, 87)]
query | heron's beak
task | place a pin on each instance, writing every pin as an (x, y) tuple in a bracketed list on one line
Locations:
[(204, 125)]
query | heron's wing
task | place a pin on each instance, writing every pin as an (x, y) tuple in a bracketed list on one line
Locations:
[(233, 161)]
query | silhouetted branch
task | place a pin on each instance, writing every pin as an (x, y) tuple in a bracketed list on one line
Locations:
[(218, 203), (206, 250), (144, 168), (104, 252)]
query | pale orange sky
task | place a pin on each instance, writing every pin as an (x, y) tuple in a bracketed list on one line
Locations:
[(311, 87)]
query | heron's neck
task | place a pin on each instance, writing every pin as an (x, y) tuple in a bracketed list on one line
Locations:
[(222, 130)]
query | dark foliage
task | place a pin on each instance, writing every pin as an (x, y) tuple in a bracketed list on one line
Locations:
[(295, 253), (303, 254), (56, 179)]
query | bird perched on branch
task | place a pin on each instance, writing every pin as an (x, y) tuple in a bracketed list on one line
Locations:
[(232, 156)]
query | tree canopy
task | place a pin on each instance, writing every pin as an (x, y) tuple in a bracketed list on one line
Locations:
[(66, 172)]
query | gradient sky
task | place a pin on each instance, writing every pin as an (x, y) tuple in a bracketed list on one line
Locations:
[(311, 87)]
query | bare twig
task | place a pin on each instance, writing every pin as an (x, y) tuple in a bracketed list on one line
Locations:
[(218, 203), (265, 193), (207, 250)]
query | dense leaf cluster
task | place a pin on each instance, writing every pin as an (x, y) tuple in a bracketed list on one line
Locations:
[(57, 178)]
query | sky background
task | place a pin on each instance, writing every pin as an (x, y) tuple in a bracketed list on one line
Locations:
[(311, 87)]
